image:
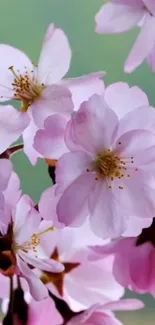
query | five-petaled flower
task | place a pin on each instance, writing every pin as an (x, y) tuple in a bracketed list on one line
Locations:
[(108, 174), (41, 90), (20, 248)]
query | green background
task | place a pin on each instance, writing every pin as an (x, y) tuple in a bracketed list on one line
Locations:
[(23, 24)]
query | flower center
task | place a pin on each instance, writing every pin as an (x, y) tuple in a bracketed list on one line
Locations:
[(26, 88), (110, 166), (107, 165), (33, 243)]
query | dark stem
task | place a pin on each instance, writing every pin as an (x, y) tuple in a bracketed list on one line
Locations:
[(19, 282), (51, 171), (11, 151), (63, 308), (20, 307)]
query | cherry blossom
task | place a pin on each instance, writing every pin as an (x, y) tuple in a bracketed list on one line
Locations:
[(105, 164), (119, 16), (41, 89), (20, 244)]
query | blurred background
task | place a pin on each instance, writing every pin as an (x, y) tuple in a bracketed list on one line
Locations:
[(23, 24)]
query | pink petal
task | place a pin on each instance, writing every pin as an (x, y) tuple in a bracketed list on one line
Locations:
[(44, 264), (4, 284), (28, 139), (11, 57), (136, 197), (124, 304), (82, 88), (94, 316), (123, 99), (91, 125), (55, 99), (113, 18), (12, 124), (106, 216), (12, 193), (118, 246), (93, 286), (70, 137), (139, 144), (26, 219), (72, 206), (141, 117), (44, 311), (69, 167), (132, 3), (29, 227), (141, 267), (143, 45), (151, 59), (62, 239), (50, 141), (5, 173), (55, 56), (121, 268), (90, 239), (37, 288), (47, 206), (135, 226), (82, 318)]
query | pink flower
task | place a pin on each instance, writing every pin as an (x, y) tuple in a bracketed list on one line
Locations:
[(134, 260), (119, 16), (20, 245), (83, 282), (41, 89), (103, 314), (108, 174)]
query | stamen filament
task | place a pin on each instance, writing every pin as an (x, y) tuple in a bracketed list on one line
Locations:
[(45, 231)]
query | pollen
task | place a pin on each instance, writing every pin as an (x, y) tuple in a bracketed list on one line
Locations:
[(110, 166), (32, 244), (35, 241), (26, 87)]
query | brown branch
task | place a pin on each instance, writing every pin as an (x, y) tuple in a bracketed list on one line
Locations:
[(11, 151)]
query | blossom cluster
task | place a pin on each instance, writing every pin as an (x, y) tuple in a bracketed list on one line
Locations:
[(68, 258)]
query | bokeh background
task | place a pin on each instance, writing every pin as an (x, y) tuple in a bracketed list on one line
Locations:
[(23, 24)]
